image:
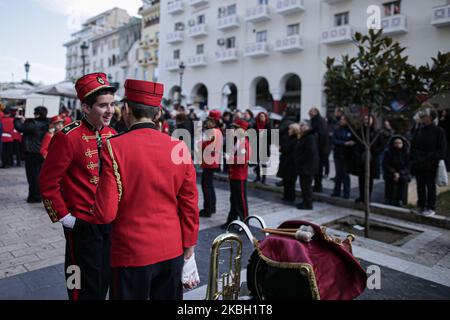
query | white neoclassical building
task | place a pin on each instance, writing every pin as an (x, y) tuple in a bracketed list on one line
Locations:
[(242, 53)]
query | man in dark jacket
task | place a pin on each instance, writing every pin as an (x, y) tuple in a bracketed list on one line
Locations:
[(428, 147), (342, 141), (320, 128), (33, 131), (307, 163)]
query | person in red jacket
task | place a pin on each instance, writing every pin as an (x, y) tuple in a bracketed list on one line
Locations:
[(7, 139), (65, 116), (238, 173), (68, 181), (148, 192), (56, 124), (211, 155)]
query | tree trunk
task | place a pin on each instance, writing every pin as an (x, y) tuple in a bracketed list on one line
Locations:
[(367, 192)]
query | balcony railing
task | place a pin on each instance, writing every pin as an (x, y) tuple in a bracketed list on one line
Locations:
[(289, 6), (197, 31), (227, 55), (197, 3), (441, 16), (396, 24), (229, 22), (256, 50), (173, 65), (175, 7), (144, 44), (175, 37), (198, 60), (258, 13), (337, 35), (144, 62), (289, 44), (153, 41)]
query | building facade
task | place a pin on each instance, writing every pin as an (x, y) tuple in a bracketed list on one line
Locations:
[(272, 53), (79, 50), (149, 44), (112, 50)]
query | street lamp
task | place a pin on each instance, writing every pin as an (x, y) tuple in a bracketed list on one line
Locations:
[(83, 48), (181, 67), (27, 70)]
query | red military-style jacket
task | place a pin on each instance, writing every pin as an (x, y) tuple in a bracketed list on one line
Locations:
[(238, 163), (214, 143), (8, 129), (70, 173), (45, 144), (148, 192)]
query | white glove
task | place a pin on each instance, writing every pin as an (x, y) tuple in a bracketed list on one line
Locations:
[(68, 221), (190, 278)]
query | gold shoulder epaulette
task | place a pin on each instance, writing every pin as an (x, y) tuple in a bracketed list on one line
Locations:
[(71, 126)]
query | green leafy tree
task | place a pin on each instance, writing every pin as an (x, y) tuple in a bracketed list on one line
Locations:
[(365, 85)]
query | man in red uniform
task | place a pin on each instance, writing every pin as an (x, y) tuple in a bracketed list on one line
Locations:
[(211, 155), (148, 192), (69, 179), (238, 173)]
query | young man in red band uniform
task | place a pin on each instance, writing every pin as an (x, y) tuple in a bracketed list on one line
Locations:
[(148, 192), (211, 156), (238, 173), (68, 181)]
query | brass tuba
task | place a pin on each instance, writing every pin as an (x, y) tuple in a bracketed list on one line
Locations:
[(230, 280), (228, 284)]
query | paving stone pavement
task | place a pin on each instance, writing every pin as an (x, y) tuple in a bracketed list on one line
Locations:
[(32, 248)]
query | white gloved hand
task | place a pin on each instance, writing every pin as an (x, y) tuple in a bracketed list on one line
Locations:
[(190, 278), (68, 221)]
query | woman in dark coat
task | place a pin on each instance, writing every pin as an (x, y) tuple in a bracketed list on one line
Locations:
[(358, 162), (263, 135), (289, 118), (287, 165), (307, 163), (396, 171)]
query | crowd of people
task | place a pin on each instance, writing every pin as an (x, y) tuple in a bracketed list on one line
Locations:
[(395, 158), (130, 211)]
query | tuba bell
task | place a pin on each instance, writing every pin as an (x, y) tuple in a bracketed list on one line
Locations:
[(230, 280), (227, 285)]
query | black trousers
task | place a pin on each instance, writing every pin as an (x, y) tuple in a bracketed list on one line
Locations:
[(17, 152), (238, 200), (426, 189), (324, 162), (209, 194), (289, 188), (395, 193), (362, 183), (159, 281), (33, 164), (306, 186), (88, 247), (261, 176), (7, 154), (342, 177)]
